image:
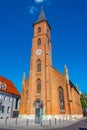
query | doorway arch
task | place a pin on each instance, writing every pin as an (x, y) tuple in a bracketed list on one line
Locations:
[(38, 111)]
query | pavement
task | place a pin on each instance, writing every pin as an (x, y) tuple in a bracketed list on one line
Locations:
[(80, 124)]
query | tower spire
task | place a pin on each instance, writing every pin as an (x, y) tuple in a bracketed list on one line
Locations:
[(66, 74), (23, 77), (41, 15)]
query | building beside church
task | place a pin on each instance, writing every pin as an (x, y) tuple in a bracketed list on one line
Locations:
[(47, 93), (9, 99)]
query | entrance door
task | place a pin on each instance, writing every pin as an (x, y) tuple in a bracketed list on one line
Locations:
[(37, 113)]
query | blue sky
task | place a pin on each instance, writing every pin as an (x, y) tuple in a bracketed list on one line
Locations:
[(68, 20)]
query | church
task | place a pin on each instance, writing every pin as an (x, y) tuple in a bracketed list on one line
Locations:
[(47, 93)]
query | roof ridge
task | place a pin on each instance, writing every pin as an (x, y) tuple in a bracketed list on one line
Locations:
[(58, 71), (5, 78)]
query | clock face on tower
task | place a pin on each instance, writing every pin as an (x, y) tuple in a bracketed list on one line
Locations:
[(38, 52)]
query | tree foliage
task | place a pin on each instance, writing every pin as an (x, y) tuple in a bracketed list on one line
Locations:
[(83, 98)]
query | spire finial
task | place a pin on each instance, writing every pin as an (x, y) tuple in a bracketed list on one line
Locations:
[(23, 77), (76, 86), (66, 73), (65, 66)]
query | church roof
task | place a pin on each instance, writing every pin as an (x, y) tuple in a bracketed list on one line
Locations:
[(7, 86), (72, 85), (41, 16)]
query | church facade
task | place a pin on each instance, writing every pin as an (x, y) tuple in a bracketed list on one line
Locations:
[(47, 92)]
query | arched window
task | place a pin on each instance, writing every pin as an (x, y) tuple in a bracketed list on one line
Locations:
[(39, 41), (38, 86), (61, 98), (38, 65), (39, 29)]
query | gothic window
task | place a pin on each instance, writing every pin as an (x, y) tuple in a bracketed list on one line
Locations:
[(38, 86), (38, 65), (61, 98), (39, 41), (27, 95), (39, 30)]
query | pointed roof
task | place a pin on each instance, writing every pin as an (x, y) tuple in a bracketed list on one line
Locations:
[(41, 16)]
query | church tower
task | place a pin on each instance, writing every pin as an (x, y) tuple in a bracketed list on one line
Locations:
[(41, 60)]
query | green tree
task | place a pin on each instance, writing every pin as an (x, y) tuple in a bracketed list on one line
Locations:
[(83, 98)]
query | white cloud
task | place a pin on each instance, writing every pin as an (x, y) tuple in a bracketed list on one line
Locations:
[(48, 2), (32, 9), (39, 1)]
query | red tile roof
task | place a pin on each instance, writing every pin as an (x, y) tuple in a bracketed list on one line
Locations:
[(10, 88)]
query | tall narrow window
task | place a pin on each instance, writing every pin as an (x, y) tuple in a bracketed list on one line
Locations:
[(3, 109), (5, 98), (8, 110), (38, 86), (61, 98), (39, 41), (39, 29), (38, 65), (16, 104)]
